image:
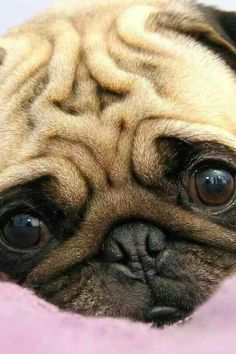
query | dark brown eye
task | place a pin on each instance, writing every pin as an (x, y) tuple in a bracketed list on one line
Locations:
[(24, 232), (212, 187)]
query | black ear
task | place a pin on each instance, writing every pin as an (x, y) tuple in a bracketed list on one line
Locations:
[(227, 20), (213, 27), (224, 22)]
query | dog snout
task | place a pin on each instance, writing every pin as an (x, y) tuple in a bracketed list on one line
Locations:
[(135, 245)]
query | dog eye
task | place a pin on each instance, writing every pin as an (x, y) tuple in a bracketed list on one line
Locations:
[(212, 187), (24, 232)]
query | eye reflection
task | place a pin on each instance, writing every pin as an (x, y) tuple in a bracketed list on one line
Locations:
[(25, 231), (212, 187)]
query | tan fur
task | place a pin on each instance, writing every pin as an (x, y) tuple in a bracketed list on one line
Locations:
[(87, 90)]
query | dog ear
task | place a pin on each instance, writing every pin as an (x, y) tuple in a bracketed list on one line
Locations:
[(210, 26), (223, 22), (227, 21), (223, 25)]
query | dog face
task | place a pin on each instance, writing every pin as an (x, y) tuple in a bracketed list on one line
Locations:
[(118, 157)]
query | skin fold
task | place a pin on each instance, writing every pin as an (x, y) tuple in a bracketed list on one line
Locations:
[(105, 111)]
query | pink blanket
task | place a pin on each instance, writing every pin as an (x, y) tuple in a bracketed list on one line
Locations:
[(28, 325)]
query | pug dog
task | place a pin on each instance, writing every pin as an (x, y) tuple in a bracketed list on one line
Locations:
[(118, 156)]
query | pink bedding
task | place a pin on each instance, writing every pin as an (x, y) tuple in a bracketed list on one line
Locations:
[(28, 325)]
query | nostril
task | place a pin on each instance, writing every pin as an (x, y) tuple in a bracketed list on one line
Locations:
[(155, 241), (133, 243), (113, 251)]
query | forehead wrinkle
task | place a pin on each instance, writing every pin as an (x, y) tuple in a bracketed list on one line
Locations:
[(65, 59), (23, 45), (14, 74), (72, 186), (147, 158), (85, 160), (94, 43), (90, 46), (193, 64), (194, 132)]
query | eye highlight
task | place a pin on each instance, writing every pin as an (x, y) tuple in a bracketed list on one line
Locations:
[(25, 232), (212, 187)]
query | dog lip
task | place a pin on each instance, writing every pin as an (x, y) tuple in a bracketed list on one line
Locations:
[(163, 313)]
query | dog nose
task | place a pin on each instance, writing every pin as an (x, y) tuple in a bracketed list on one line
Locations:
[(134, 243)]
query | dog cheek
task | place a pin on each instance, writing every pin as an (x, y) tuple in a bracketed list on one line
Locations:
[(97, 290), (107, 296), (189, 272)]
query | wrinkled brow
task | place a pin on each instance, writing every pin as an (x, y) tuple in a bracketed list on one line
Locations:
[(188, 131)]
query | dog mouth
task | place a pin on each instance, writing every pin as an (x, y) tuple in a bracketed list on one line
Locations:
[(159, 314), (142, 273)]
